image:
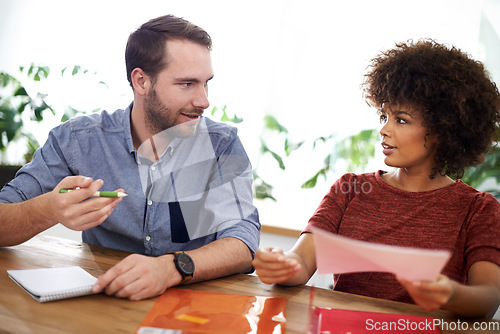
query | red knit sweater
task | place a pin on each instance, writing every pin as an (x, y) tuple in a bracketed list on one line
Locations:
[(457, 217)]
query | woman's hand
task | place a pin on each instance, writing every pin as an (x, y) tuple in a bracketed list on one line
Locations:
[(430, 295), (273, 266)]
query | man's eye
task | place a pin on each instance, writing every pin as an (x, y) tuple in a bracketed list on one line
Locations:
[(185, 84)]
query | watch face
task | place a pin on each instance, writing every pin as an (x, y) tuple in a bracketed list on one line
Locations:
[(185, 263)]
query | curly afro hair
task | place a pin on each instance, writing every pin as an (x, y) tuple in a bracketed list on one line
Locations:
[(460, 103)]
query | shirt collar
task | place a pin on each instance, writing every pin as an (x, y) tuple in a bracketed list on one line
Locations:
[(128, 130)]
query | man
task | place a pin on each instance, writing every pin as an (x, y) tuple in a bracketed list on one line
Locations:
[(188, 179)]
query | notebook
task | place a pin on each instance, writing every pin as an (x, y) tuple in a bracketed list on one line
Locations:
[(47, 284)]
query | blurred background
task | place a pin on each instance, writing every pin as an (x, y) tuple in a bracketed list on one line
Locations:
[(289, 71)]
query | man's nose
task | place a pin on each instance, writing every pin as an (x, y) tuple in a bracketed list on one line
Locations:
[(201, 99)]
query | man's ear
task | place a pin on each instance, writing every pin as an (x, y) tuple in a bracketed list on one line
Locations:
[(140, 81)]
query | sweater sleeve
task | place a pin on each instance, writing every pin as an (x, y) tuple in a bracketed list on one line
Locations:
[(483, 231), (331, 209)]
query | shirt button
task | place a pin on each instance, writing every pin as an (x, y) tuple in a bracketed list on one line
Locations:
[(148, 238), (153, 167), (150, 202)]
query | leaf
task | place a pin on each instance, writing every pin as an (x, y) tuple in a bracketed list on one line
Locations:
[(311, 183), (214, 109), (263, 189), (6, 79), (272, 123), (290, 146), (38, 72), (38, 113), (225, 118), (76, 69), (327, 161), (278, 159), (358, 149), (43, 71), (31, 69), (236, 120), (366, 135), (476, 175), (22, 107), (21, 91), (264, 149), (69, 112), (321, 139)]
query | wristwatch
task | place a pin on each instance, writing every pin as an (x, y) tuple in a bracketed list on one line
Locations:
[(184, 264)]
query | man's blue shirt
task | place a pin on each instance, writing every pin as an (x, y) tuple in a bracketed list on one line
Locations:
[(198, 191)]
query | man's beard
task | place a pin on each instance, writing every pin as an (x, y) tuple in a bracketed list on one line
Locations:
[(160, 118)]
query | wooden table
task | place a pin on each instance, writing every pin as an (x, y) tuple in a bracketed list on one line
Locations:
[(20, 313)]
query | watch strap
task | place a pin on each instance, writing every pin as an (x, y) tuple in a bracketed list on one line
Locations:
[(185, 278)]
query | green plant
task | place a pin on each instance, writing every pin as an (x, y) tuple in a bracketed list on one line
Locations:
[(224, 116), (21, 103), (15, 101), (284, 147), (489, 169), (262, 188), (356, 150)]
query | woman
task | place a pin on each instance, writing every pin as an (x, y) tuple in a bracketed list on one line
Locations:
[(439, 113)]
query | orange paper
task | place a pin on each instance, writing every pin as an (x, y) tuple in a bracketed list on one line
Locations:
[(192, 311)]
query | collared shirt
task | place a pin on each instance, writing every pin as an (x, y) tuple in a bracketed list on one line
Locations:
[(199, 190)]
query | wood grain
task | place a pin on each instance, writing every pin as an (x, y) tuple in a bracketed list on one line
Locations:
[(20, 313)]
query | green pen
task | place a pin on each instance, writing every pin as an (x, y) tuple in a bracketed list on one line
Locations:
[(100, 193)]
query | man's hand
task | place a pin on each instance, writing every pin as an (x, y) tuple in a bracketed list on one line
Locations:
[(139, 277), (75, 209)]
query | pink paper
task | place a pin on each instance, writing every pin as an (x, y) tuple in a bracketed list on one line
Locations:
[(337, 254), (334, 321)]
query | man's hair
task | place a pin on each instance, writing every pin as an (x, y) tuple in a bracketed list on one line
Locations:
[(459, 102), (146, 47)]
